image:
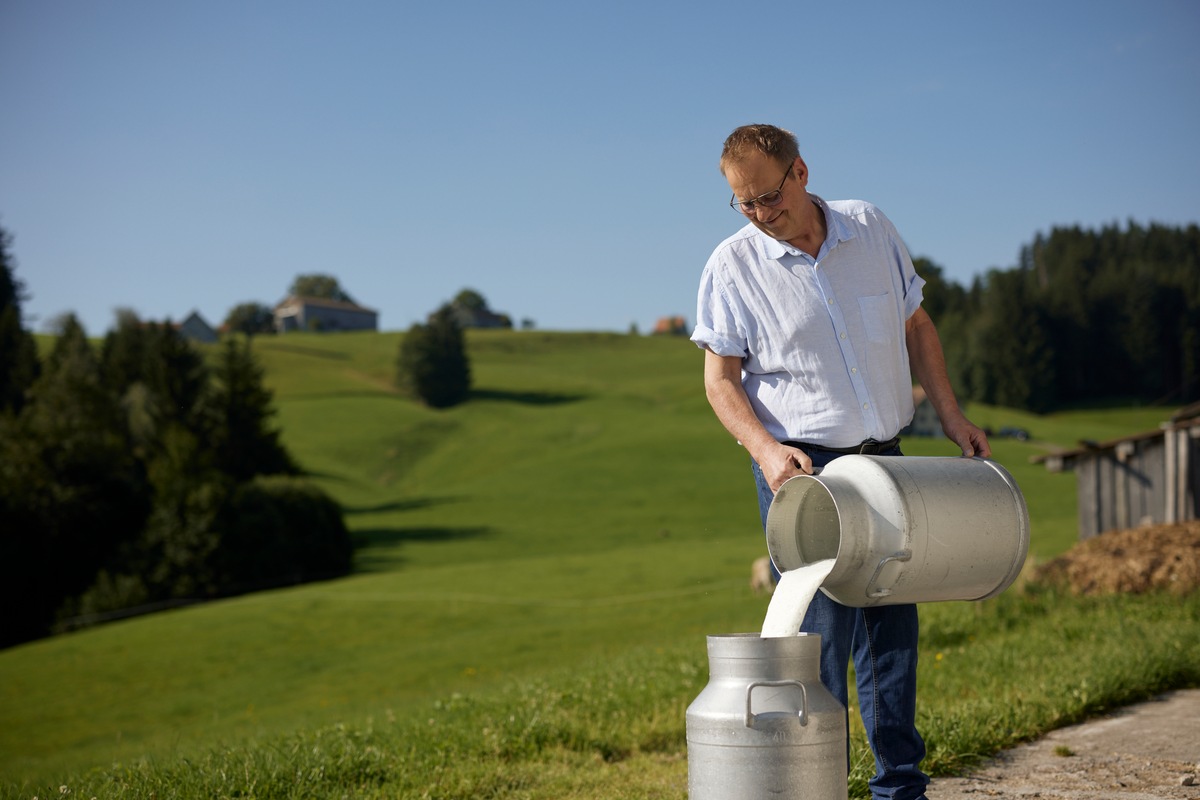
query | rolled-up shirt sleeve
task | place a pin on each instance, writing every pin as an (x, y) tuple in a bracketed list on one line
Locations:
[(911, 282), (914, 294), (717, 328)]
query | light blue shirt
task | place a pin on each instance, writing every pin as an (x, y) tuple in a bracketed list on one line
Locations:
[(821, 340)]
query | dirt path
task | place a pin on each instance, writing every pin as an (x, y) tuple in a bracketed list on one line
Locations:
[(1148, 751)]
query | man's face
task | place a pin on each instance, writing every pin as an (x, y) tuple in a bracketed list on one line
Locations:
[(757, 175)]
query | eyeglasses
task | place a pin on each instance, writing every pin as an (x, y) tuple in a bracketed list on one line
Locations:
[(769, 200)]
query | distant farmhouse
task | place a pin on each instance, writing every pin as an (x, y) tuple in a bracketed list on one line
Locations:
[(318, 314), (670, 326), (194, 328), (1147, 479)]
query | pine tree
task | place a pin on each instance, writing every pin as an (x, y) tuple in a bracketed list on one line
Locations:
[(244, 442), (18, 353), (72, 493)]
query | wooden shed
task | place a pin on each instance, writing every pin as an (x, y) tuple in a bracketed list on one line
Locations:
[(1148, 478)]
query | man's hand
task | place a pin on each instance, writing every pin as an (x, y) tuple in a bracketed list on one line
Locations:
[(969, 437), (781, 462)]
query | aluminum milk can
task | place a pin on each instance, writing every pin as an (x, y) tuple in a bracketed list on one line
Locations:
[(903, 529), (765, 725)]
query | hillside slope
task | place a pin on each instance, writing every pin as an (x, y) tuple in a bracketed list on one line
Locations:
[(584, 502)]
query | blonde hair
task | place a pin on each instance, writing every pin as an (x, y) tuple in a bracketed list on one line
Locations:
[(769, 140)]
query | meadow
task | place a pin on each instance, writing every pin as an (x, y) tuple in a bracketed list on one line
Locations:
[(535, 575)]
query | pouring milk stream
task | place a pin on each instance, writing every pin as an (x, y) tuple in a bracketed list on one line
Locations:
[(792, 597)]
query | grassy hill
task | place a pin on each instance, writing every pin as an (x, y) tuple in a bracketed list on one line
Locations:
[(585, 507)]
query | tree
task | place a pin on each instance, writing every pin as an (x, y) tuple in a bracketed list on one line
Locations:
[(18, 353), (243, 442), (317, 285), (124, 353), (197, 463), (173, 556), (250, 318), (470, 300), (432, 364), (949, 306), (471, 310), (1011, 353), (941, 296), (71, 491), (178, 377)]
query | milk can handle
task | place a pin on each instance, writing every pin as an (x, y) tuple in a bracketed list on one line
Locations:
[(750, 690), (872, 591)]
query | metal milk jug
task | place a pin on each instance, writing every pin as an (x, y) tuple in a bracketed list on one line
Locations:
[(765, 725), (903, 529)]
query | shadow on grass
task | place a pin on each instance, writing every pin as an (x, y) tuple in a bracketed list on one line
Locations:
[(526, 398), (414, 504), (379, 549), (375, 393), (387, 537)]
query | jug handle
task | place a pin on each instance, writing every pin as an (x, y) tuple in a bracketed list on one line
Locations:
[(903, 555), (750, 716)]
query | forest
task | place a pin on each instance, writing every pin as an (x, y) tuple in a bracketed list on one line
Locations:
[(1086, 317), (137, 474)]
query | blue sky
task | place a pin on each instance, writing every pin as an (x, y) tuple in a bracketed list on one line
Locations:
[(559, 158)]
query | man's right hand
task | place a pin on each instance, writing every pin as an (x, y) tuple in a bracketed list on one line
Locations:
[(779, 463)]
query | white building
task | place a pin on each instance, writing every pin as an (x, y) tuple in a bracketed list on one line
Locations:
[(318, 314)]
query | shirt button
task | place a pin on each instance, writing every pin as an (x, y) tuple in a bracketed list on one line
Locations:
[(866, 405), (854, 370), (831, 301), (842, 336)]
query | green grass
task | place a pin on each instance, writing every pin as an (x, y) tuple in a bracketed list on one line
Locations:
[(997, 673), (536, 573)]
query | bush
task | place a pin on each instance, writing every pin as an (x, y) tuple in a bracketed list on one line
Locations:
[(217, 539), (432, 364), (277, 530)]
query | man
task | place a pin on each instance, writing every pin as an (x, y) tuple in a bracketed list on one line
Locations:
[(811, 321)]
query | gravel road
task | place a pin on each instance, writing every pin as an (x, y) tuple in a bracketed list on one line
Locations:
[(1148, 751)]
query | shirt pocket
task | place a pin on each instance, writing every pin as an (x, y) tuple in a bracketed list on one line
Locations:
[(878, 316)]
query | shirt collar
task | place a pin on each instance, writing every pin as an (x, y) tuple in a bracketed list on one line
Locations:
[(836, 231)]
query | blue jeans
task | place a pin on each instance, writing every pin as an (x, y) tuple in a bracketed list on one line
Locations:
[(882, 640)]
